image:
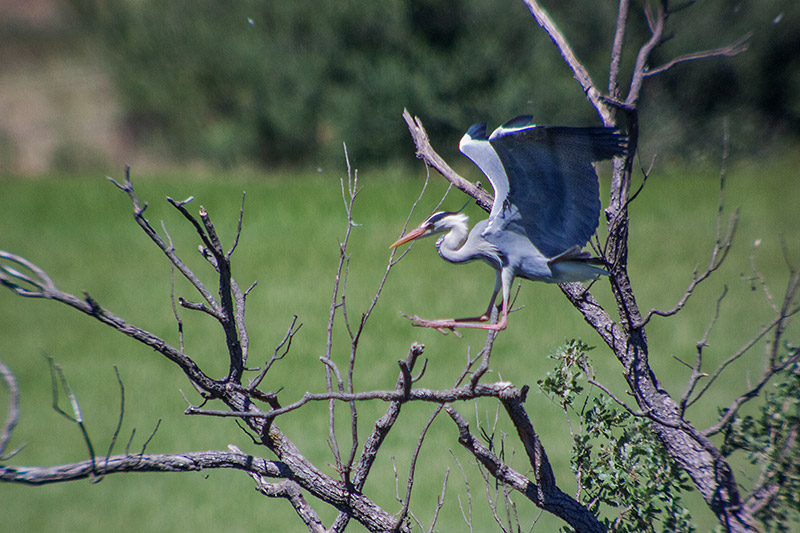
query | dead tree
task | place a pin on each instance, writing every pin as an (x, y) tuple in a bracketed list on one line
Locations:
[(690, 447), (286, 473)]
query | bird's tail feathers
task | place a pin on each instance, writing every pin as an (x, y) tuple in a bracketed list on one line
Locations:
[(576, 265)]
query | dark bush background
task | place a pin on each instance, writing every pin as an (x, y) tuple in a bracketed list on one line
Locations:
[(285, 83)]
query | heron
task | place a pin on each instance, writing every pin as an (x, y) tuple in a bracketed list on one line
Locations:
[(546, 208)]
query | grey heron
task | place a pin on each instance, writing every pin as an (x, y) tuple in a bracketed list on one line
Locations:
[(546, 208)]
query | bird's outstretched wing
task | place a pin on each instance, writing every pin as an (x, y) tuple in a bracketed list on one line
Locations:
[(544, 182)]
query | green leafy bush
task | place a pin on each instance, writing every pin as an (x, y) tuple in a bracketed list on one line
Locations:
[(279, 83)]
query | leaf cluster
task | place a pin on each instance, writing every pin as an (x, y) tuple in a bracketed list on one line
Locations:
[(618, 462), (769, 440)]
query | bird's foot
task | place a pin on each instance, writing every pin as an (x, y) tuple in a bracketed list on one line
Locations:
[(442, 325), (446, 325)]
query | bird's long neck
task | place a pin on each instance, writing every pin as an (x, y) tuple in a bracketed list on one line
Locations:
[(450, 245)]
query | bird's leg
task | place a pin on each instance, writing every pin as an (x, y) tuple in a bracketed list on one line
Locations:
[(444, 324), (449, 323), (504, 280)]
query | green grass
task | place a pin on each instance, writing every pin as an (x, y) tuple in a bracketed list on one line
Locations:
[(81, 231)]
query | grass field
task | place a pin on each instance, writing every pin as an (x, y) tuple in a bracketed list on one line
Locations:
[(80, 230)]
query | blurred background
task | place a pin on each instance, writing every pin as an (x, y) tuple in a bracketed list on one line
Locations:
[(92, 83)]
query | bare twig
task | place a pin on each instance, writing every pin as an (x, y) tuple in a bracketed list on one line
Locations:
[(737, 355), (722, 243), (337, 301), (731, 50), (616, 50), (774, 364), (121, 413), (486, 352), (439, 500), (455, 394), (579, 72), (280, 351), (138, 216), (426, 152), (401, 518), (656, 23), (57, 377), (13, 413), (548, 496), (696, 369)]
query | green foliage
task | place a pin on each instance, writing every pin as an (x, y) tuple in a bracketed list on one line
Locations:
[(617, 460), (769, 440), (563, 384), (287, 82)]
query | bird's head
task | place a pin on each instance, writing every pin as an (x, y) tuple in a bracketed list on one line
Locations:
[(438, 222)]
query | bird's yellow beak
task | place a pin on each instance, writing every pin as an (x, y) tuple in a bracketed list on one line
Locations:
[(410, 236)]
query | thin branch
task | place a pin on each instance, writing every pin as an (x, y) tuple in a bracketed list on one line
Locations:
[(486, 352), (138, 216), (440, 500), (426, 152), (640, 68), (579, 72), (121, 413), (401, 517), (722, 243), (37, 285), (737, 355), (238, 228), (638, 414), (731, 50), (178, 320), (336, 302), (697, 373), (455, 394), (548, 497), (754, 391), (616, 50), (13, 413), (77, 415), (773, 364), (280, 351)]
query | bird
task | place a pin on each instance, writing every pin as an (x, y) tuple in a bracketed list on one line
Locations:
[(546, 208)]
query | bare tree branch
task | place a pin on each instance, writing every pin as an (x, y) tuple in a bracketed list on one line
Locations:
[(579, 72), (182, 462), (731, 50), (548, 497), (426, 152), (13, 412)]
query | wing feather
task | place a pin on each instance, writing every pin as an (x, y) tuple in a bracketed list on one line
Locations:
[(552, 191), (475, 145)]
